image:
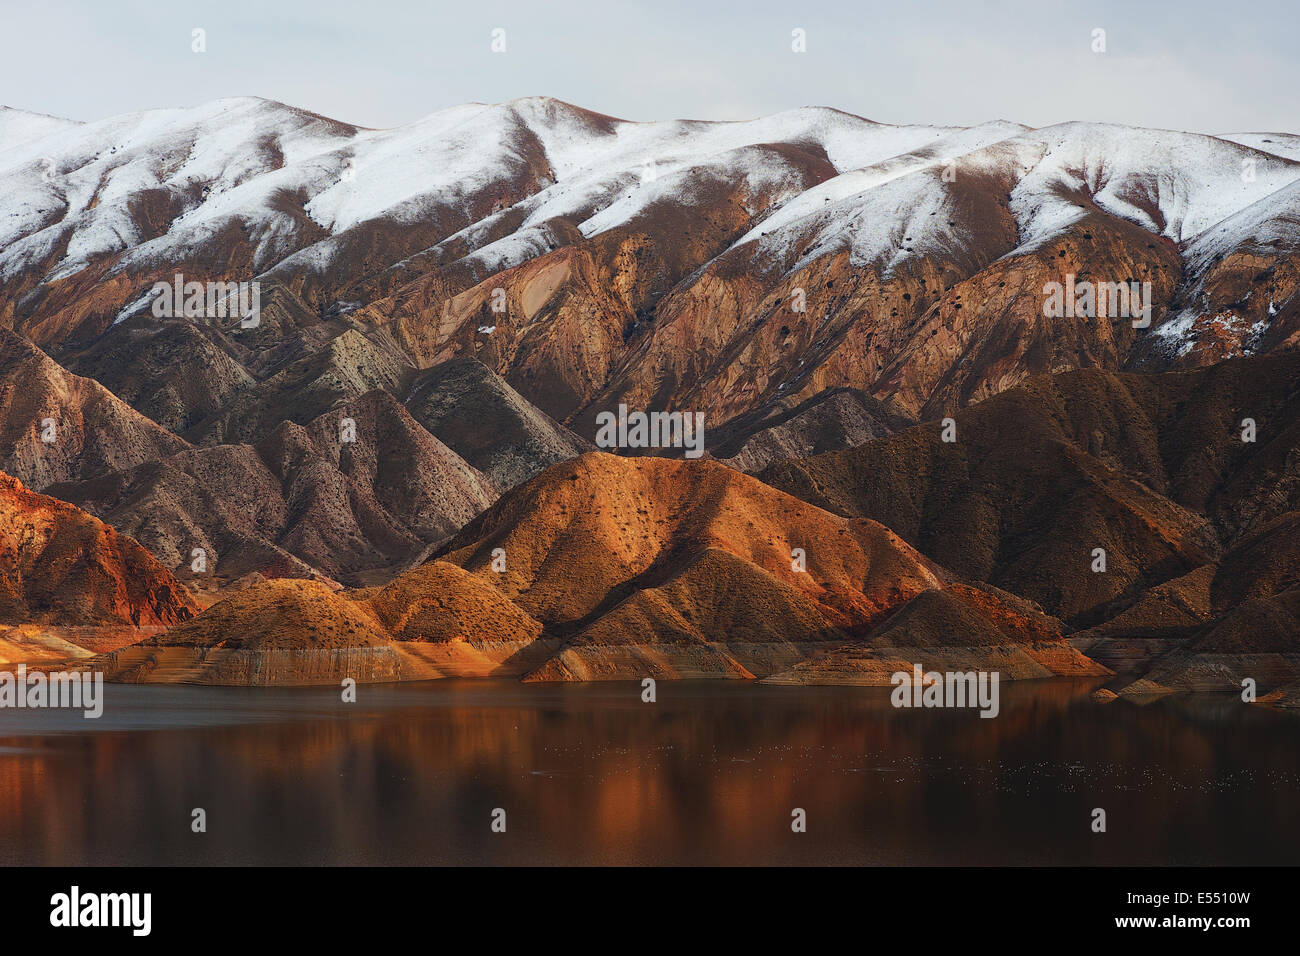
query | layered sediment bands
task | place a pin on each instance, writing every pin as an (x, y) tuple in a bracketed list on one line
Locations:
[(960, 628), (1220, 626), (184, 665), (1255, 641), (53, 644), (1161, 618), (61, 565), (142, 664)]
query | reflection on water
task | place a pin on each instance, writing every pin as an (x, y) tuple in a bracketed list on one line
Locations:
[(590, 774)]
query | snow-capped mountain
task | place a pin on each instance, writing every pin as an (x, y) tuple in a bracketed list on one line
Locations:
[(658, 262), (445, 308)]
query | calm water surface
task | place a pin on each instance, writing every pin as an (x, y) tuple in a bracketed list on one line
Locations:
[(589, 774)]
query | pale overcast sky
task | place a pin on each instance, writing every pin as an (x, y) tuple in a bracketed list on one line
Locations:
[(1200, 65)]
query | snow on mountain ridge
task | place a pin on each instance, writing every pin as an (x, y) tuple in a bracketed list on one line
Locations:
[(232, 161), (21, 126), (847, 212), (1285, 145), (1176, 185), (94, 171)]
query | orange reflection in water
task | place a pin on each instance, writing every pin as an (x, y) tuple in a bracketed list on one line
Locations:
[(708, 774)]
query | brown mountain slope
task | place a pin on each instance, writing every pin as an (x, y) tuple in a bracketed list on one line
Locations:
[(835, 419), (93, 430), (1179, 434), (482, 419), (587, 533), (1041, 481), (300, 502), (176, 372), (685, 568), (435, 621), (620, 569), (1014, 501), (729, 268), (350, 365), (1255, 641), (59, 565), (439, 602), (405, 488), (1217, 625), (565, 319), (956, 628), (1197, 418), (959, 322)]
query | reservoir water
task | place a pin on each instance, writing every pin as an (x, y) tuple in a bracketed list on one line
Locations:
[(589, 774)]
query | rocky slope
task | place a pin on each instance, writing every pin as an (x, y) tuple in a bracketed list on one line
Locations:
[(1217, 626), (60, 565), (1197, 525), (733, 268), (468, 292), (56, 426), (488, 423), (435, 621), (175, 372), (833, 419), (607, 568), (301, 502)]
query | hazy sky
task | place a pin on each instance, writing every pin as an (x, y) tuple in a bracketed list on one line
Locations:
[(1200, 65)]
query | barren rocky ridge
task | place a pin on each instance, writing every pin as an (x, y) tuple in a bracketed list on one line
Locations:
[(471, 290)]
